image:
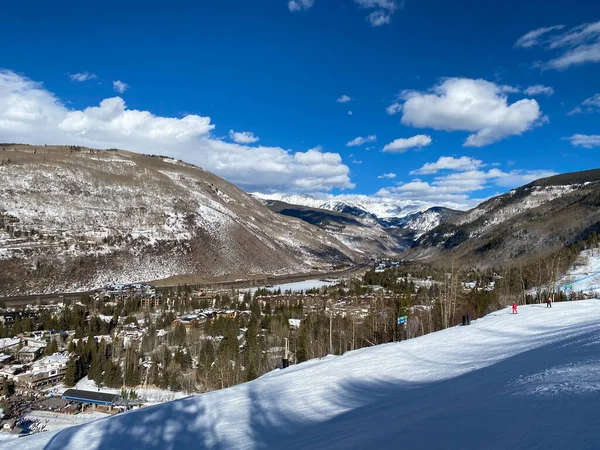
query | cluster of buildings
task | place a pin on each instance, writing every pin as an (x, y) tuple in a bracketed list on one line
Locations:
[(22, 364)]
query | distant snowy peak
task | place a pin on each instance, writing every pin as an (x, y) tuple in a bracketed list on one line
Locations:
[(358, 206)]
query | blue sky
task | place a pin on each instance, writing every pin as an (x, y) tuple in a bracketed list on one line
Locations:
[(480, 105)]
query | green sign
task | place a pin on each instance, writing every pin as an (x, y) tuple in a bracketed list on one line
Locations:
[(402, 320)]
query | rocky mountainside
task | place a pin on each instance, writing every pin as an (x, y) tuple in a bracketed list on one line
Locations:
[(404, 222), (74, 218), (362, 234), (536, 218), (363, 208)]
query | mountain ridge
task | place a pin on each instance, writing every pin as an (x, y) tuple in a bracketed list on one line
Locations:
[(73, 218)]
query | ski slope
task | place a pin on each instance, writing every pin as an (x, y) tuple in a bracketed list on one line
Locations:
[(530, 380), (584, 276)]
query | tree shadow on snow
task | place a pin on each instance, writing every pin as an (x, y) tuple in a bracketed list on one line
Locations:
[(486, 408)]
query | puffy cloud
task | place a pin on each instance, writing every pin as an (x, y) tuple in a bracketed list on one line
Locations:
[(394, 108), (403, 144), (383, 10), (31, 114), (532, 38), (349, 113), (344, 99), (539, 89), (388, 176), (358, 141), (300, 5), (356, 161), (81, 77), (589, 105), (585, 140), (478, 106), (576, 46), (243, 137), (457, 187), (378, 18), (119, 86), (464, 163)]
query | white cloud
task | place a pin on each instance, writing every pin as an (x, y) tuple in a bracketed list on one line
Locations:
[(81, 77), (589, 105), (394, 108), (403, 144), (356, 161), (389, 176), (349, 113), (300, 5), (531, 38), (579, 45), (378, 18), (344, 99), (383, 10), (457, 187), (31, 114), (478, 106), (585, 140), (358, 141), (120, 87), (243, 137), (464, 163), (539, 89)]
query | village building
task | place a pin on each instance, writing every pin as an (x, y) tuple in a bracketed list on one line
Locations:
[(9, 345), (29, 354)]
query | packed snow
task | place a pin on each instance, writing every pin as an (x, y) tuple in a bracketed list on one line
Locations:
[(526, 380), (584, 275), (297, 286)]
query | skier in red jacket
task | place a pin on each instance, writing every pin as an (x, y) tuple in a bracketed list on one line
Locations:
[(514, 309), (548, 303)]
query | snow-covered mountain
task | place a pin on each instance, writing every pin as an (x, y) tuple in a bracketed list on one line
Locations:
[(74, 218), (360, 206), (504, 382), (388, 213), (542, 216)]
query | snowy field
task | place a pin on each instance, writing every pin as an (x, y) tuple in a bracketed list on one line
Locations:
[(584, 276), (294, 287), (530, 380)]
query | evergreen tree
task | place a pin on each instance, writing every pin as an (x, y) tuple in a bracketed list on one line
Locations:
[(51, 348), (71, 373)]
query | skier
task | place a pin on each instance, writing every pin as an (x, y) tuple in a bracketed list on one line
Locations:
[(514, 309), (548, 303)]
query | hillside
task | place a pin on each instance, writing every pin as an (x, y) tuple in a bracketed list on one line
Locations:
[(534, 219), (362, 235), (506, 381), (359, 228), (366, 208), (73, 218)]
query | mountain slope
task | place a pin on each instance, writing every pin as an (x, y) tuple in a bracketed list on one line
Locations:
[(356, 223), (536, 218), (365, 236), (505, 381), (74, 218), (363, 208)]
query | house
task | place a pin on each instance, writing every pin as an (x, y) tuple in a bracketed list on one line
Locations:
[(33, 342), (29, 354), (9, 345), (5, 359), (11, 371), (45, 372)]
